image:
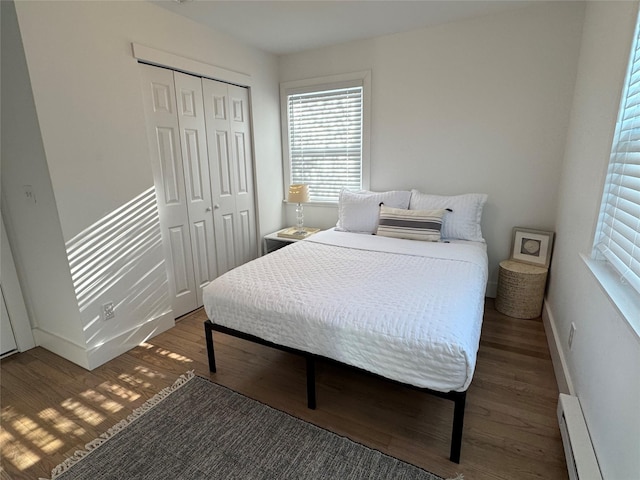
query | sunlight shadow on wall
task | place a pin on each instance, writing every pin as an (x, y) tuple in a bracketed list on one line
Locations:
[(120, 259), (109, 249)]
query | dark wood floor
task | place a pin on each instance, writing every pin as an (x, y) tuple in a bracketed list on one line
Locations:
[(51, 407)]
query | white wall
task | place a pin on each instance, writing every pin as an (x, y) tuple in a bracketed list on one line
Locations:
[(87, 95), (603, 364), (474, 106), (32, 228), (481, 105)]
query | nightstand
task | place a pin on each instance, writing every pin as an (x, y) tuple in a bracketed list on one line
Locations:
[(273, 242), (520, 289)]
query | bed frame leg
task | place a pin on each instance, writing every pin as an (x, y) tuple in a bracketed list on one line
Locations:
[(311, 382), (458, 421), (208, 335)]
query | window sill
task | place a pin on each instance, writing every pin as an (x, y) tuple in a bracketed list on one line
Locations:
[(623, 296)]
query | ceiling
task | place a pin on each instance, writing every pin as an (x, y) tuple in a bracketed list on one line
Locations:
[(283, 27)]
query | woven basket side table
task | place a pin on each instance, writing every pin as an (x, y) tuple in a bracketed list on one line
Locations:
[(520, 289)]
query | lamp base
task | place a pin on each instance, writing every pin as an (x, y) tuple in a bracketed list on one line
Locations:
[(297, 233)]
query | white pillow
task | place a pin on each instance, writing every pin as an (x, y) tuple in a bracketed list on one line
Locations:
[(358, 211), (463, 222)]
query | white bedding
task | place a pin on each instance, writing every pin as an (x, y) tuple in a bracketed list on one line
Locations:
[(407, 310)]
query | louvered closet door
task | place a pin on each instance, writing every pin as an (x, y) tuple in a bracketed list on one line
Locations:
[(231, 163), (197, 179), (167, 165)]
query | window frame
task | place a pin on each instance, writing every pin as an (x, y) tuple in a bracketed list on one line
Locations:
[(624, 297), (361, 78)]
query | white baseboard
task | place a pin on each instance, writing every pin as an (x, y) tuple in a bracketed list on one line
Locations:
[(94, 357), (61, 346), (560, 368)]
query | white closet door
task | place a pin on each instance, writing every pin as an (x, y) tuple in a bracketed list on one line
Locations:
[(230, 157), (216, 107), (7, 339), (166, 159), (197, 179), (246, 240)]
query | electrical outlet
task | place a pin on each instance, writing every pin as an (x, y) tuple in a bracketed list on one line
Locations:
[(108, 311), (572, 332)]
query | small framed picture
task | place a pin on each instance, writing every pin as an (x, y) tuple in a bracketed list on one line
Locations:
[(532, 246)]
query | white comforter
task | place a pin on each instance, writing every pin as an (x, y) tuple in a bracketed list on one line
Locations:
[(407, 310)]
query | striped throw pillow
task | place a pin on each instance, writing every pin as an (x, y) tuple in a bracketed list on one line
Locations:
[(422, 225)]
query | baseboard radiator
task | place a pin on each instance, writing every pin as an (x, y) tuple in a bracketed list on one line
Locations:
[(581, 458)]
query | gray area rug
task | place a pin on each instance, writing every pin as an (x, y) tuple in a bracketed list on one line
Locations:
[(197, 429)]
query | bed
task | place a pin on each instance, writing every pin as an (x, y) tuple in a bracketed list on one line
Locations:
[(406, 310)]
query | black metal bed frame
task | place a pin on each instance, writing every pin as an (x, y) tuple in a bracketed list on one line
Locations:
[(458, 398)]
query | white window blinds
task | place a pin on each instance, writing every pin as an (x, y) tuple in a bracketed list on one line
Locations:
[(325, 140), (618, 237)]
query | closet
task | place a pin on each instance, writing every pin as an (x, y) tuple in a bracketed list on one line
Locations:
[(8, 343), (15, 328), (200, 145)]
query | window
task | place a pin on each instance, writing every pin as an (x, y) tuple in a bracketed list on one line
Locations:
[(617, 238), (325, 134)]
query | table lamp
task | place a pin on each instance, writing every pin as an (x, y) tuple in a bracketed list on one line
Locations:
[(299, 194)]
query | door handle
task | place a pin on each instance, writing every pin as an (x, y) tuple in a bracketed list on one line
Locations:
[(208, 209), (216, 206)]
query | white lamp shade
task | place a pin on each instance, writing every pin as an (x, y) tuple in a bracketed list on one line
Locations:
[(298, 193)]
